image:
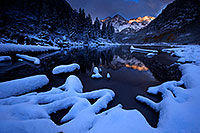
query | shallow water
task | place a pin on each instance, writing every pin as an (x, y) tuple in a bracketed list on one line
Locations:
[(129, 75)]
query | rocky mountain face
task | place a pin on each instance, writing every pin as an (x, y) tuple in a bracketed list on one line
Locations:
[(178, 23), (46, 22), (121, 25)]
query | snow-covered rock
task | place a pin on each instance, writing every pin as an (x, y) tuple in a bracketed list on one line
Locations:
[(150, 55), (108, 75), (5, 58), (66, 68), (29, 58), (96, 74), (95, 70), (100, 70), (20, 86), (20, 60)]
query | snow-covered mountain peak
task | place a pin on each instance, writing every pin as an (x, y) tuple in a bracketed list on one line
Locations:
[(142, 19), (127, 26)]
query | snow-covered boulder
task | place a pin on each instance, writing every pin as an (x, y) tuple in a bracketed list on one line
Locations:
[(150, 55), (29, 58), (5, 58), (96, 74), (95, 70), (66, 68), (73, 83), (108, 75), (20, 86), (100, 70)]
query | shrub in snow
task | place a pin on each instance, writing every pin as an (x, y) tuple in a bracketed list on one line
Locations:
[(66, 68), (20, 86), (5, 58), (29, 58)]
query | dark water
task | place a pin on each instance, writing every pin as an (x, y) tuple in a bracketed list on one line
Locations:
[(131, 74)]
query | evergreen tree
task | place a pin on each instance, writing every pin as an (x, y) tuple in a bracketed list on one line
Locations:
[(104, 31), (97, 30)]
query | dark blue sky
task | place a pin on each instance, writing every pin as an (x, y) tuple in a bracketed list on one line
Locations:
[(127, 8)]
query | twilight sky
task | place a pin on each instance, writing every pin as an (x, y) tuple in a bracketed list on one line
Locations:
[(127, 8)]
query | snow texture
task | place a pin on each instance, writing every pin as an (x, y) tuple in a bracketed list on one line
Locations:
[(5, 58), (20, 86), (66, 68), (29, 58)]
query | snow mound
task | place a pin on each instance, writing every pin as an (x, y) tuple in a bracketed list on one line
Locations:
[(29, 58), (5, 58), (20, 86), (66, 68)]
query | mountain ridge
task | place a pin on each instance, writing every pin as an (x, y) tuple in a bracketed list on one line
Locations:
[(123, 25)]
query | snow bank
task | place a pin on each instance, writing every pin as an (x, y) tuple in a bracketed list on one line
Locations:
[(118, 120), (66, 68), (179, 110), (5, 58), (187, 53), (29, 58), (20, 86), (8, 47)]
